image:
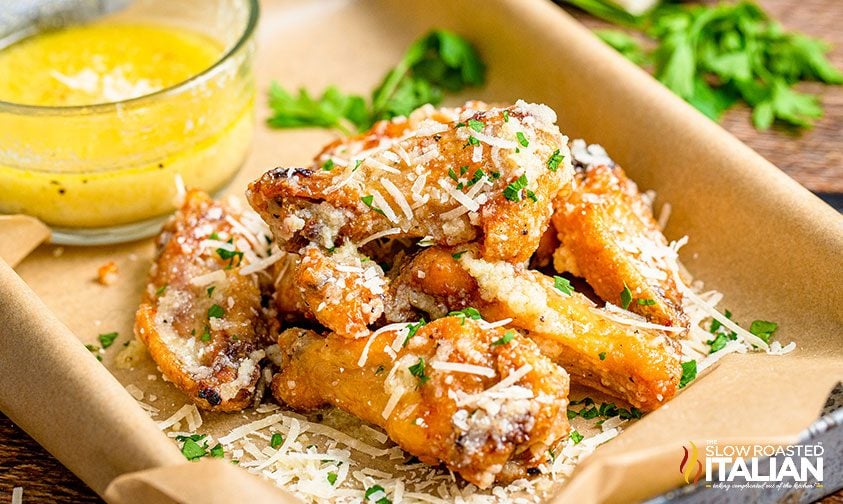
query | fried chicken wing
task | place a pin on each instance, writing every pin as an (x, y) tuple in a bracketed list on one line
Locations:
[(475, 173), (612, 352), (201, 319), (609, 236), (481, 400)]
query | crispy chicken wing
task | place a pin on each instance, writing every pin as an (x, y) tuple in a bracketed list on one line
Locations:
[(200, 318), (474, 173), (612, 352), (481, 400), (609, 237)]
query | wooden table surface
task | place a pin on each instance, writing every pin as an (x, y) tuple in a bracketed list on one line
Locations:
[(814, 158)]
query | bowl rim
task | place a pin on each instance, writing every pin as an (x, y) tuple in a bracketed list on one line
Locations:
[(175, 89)]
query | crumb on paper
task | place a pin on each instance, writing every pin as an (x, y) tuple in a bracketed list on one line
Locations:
[(131, 354), (135, 391), (151, 377), (107, 273), (57, 252)]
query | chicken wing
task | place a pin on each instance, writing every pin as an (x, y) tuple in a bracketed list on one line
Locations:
[(609, 237), (610, 351), (201, 318), (475, 173), (479, 399)]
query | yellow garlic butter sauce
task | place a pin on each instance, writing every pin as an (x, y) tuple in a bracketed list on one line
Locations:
[(91, 165)]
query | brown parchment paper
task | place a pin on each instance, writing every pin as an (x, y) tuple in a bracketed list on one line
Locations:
[(767, 243)]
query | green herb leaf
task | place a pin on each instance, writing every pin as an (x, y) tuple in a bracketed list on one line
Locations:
[(576, 437), (763, 329), (276, 440), (512, 192), (367, 200), (412, 330), (626, 297), (417, 370), (217, 451), (332, 478), (465, 313), (476, 125), (328, 165), (522, 139), (506, 338), (689, 372), (216, 311), (563, 285), (331, 110), (625, 44), (107, 339), (375, 490), (191, 449), (160, 290), (602, 355), (554, 161), (210, 290), (646, 302)]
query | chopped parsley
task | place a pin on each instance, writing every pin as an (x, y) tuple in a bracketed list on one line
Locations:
[(453, 175), (107, 339), (522, 139), (160, 290), (473, 141), (216, 311), (626, 297), (506, 338), (563, 285), (689, 372), (332, 478), (512, 192), (604, 410), (191, 449), (554, 161), (763, 329), (357, 165), (367, 200), (476, 125), (602, 355), (206, 335), (217, 451), (94, 350), (530, 194), (228, 255), (576, 437), (412, 330), (506, 116), (210, 290), (475, 178), (646, 302), (379, 370), (465, 313), (374, 491), (417, 370), (276, 440), (457, 255), (328, 165), (721, 335)]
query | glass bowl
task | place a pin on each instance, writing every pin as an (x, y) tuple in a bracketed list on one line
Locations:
[(107, 173)]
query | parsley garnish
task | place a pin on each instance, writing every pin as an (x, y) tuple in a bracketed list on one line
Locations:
[(216, 311), (107, 339), (761, 328), (94, 350), (626, 297), (473, 141), (367, 200), (506, 116), (465, 313), (379, 370), (646, 302), (191, 449), (689, 372), (714, 55), (374, 490), (217, 451), (458, 255), (602, 355), (506, 338), (554, 160), (228, 255), (476, 125), (563, 285), (417, 370), (328, 165), (522, 139), (161, 289), (512, 192), (412, 330), (210, 290), (439, 62), (332, 478), (276, 440), (576, 437), (453, 175), (478, 174), (206, 335)]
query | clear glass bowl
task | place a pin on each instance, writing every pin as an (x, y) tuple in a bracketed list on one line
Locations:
[(107, 173)]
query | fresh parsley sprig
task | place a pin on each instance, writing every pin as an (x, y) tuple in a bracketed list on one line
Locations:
[(437, 63)]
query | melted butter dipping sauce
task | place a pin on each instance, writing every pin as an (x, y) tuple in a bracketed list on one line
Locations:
[(91, 167)]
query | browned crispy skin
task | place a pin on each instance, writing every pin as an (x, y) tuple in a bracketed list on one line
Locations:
[(436, 418), (608, 230), (641, 366), (329, 202), (342, 289), (214, 360)]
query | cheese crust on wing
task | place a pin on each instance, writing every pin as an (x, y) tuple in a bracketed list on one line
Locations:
[(482, 400), (201, 319), (609, 237), (475, 173), (612, 351)]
